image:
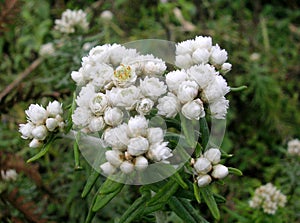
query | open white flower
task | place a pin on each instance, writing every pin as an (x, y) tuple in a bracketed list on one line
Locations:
[(203, 74), (184, 61), (168, 106), (187, 91), (201, 56), (152, 88), (36, 114), (218, 108), (216, 89), (203, 42), (98, 104), (113, 116), (81, 116), (138, 146), (124, 76), (101, 75), (193, 110), (124, 97), (218, 56), (144, 106), (117, 137), (54, 108), (26, 130)]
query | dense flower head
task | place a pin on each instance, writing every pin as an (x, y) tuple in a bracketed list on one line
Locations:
[(41, 122), (269, 198), (294, 147), (71, 20), (207, 167)]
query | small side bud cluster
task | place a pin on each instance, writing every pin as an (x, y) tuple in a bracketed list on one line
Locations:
[(207, 167), (9, 175), (294, 147), (41, 121), (268, 198)]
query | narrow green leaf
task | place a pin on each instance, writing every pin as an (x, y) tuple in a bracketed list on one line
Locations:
[(163, 195), (219, 198), (136, 209), (104, 199), (197, 192), (71, 111), (109, 186), (210, 201), (44, 149), (180, 210), (186, 203), (204, 132), (168, 169), (76, 155), (241, 88), (91, 213), (90, 183), (235, 171), (198, 150), (188, 131)]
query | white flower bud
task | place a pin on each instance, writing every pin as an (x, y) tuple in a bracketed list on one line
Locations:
[(35, 143), (203, 42), (137, 126), (107, 168), (114, 157), (40, 132), (225, 68), (168, 106), (141, 163), (78, 77), (175, 78), (36, 114), (193, 110), (117, 137), (138, 146), (127, 167), (113, 116), (155, 135), (152, 88), (219, 171), (183, 61), (202, 165), (144, 106), (213, 155), (203, 180), (96, 124), (187, 91), (54, 108), (106, 15), (26, 129), (159, 152), (51, 124), (98, 104)]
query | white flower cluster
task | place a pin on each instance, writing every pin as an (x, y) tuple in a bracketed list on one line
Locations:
[(198, 82), (134, 145), (9, 175), (70, 20), (201, 51), (41, 121), (294, 147), (47, 49), (207, 167), (268, 198)]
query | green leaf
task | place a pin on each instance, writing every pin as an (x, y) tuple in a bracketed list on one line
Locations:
[(109, 186), (163, 195), (235, 171), (198, 150), (186, 203), (188, 131), (91, 213), (71, 111), (180, 210), (210, 201), (204, 132), (104, 199), (197, 192), (90, 183), (77, 154), (168, 169), (136, 209), (241, 88), (44, 149)]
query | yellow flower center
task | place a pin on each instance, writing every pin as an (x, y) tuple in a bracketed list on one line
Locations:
[(123, 72)]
